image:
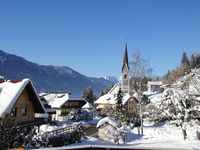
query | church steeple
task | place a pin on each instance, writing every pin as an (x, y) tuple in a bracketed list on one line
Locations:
[(125, 77), (125, 61)]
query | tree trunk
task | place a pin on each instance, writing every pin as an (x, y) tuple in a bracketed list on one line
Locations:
[(198, 135), (184, 132)]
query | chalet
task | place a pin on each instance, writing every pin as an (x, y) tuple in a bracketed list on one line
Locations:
[(107, 100), (63, 104), (154, 86), (131, 103), (19, 101)]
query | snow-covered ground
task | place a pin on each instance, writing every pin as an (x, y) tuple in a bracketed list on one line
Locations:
[(160, 136), (163, 136)]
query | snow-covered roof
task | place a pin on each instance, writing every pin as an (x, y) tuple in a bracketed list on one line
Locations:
[(2, 77), (88, 106), (106, 120), (57, 100), (149, 93), (136, 95), (9, 93), (107, 99), (156, 98), (125, 98), (155, 82), (112, 99), (114, 89)]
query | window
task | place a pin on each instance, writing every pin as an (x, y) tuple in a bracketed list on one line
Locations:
[(14, 112), (24, 111), (125, 76)]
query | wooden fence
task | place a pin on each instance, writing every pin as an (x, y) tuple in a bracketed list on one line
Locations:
[(67, 129)]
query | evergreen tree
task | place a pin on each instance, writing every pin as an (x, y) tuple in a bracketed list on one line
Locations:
[(119, 101), (197, 60), (167, 76), (119, 105), (193, 61), (185, 61), (185, 65), (89, 95)]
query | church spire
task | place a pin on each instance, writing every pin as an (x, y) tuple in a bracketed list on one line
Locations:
[(125, 78), (125, 61)]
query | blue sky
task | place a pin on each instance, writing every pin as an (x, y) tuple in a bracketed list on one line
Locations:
[(89, 35)]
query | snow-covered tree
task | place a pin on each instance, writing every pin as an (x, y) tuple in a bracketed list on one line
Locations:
[(140, 71), (140, 67), (175, 106), (89, 95), (120, 133)]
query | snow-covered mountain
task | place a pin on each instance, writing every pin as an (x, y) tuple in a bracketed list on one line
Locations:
[(110, 78), (50, 78)]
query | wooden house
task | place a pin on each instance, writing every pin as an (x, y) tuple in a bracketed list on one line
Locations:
[(64, 105), (154, 86), (19, 100), (20, 111), (132, 105), (106, 103), (109, 101)]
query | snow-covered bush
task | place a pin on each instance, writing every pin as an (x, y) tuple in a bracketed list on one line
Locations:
[(176, 107)]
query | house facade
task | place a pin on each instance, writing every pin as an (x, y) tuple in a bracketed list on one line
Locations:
[(107, 103), (64, 105), (154, 86), (19, 100), (20, 111), (132, 105)]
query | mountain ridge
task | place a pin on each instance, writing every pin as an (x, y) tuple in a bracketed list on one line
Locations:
[(50, 78)]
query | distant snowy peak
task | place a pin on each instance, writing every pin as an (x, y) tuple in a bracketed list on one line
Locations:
[(110, 78), (50, 78), (63, 70)]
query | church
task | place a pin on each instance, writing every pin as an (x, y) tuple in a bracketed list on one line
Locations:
[(109, 100), (124, 81)]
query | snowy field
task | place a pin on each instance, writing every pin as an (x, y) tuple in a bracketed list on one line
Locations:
[(162, 136)]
